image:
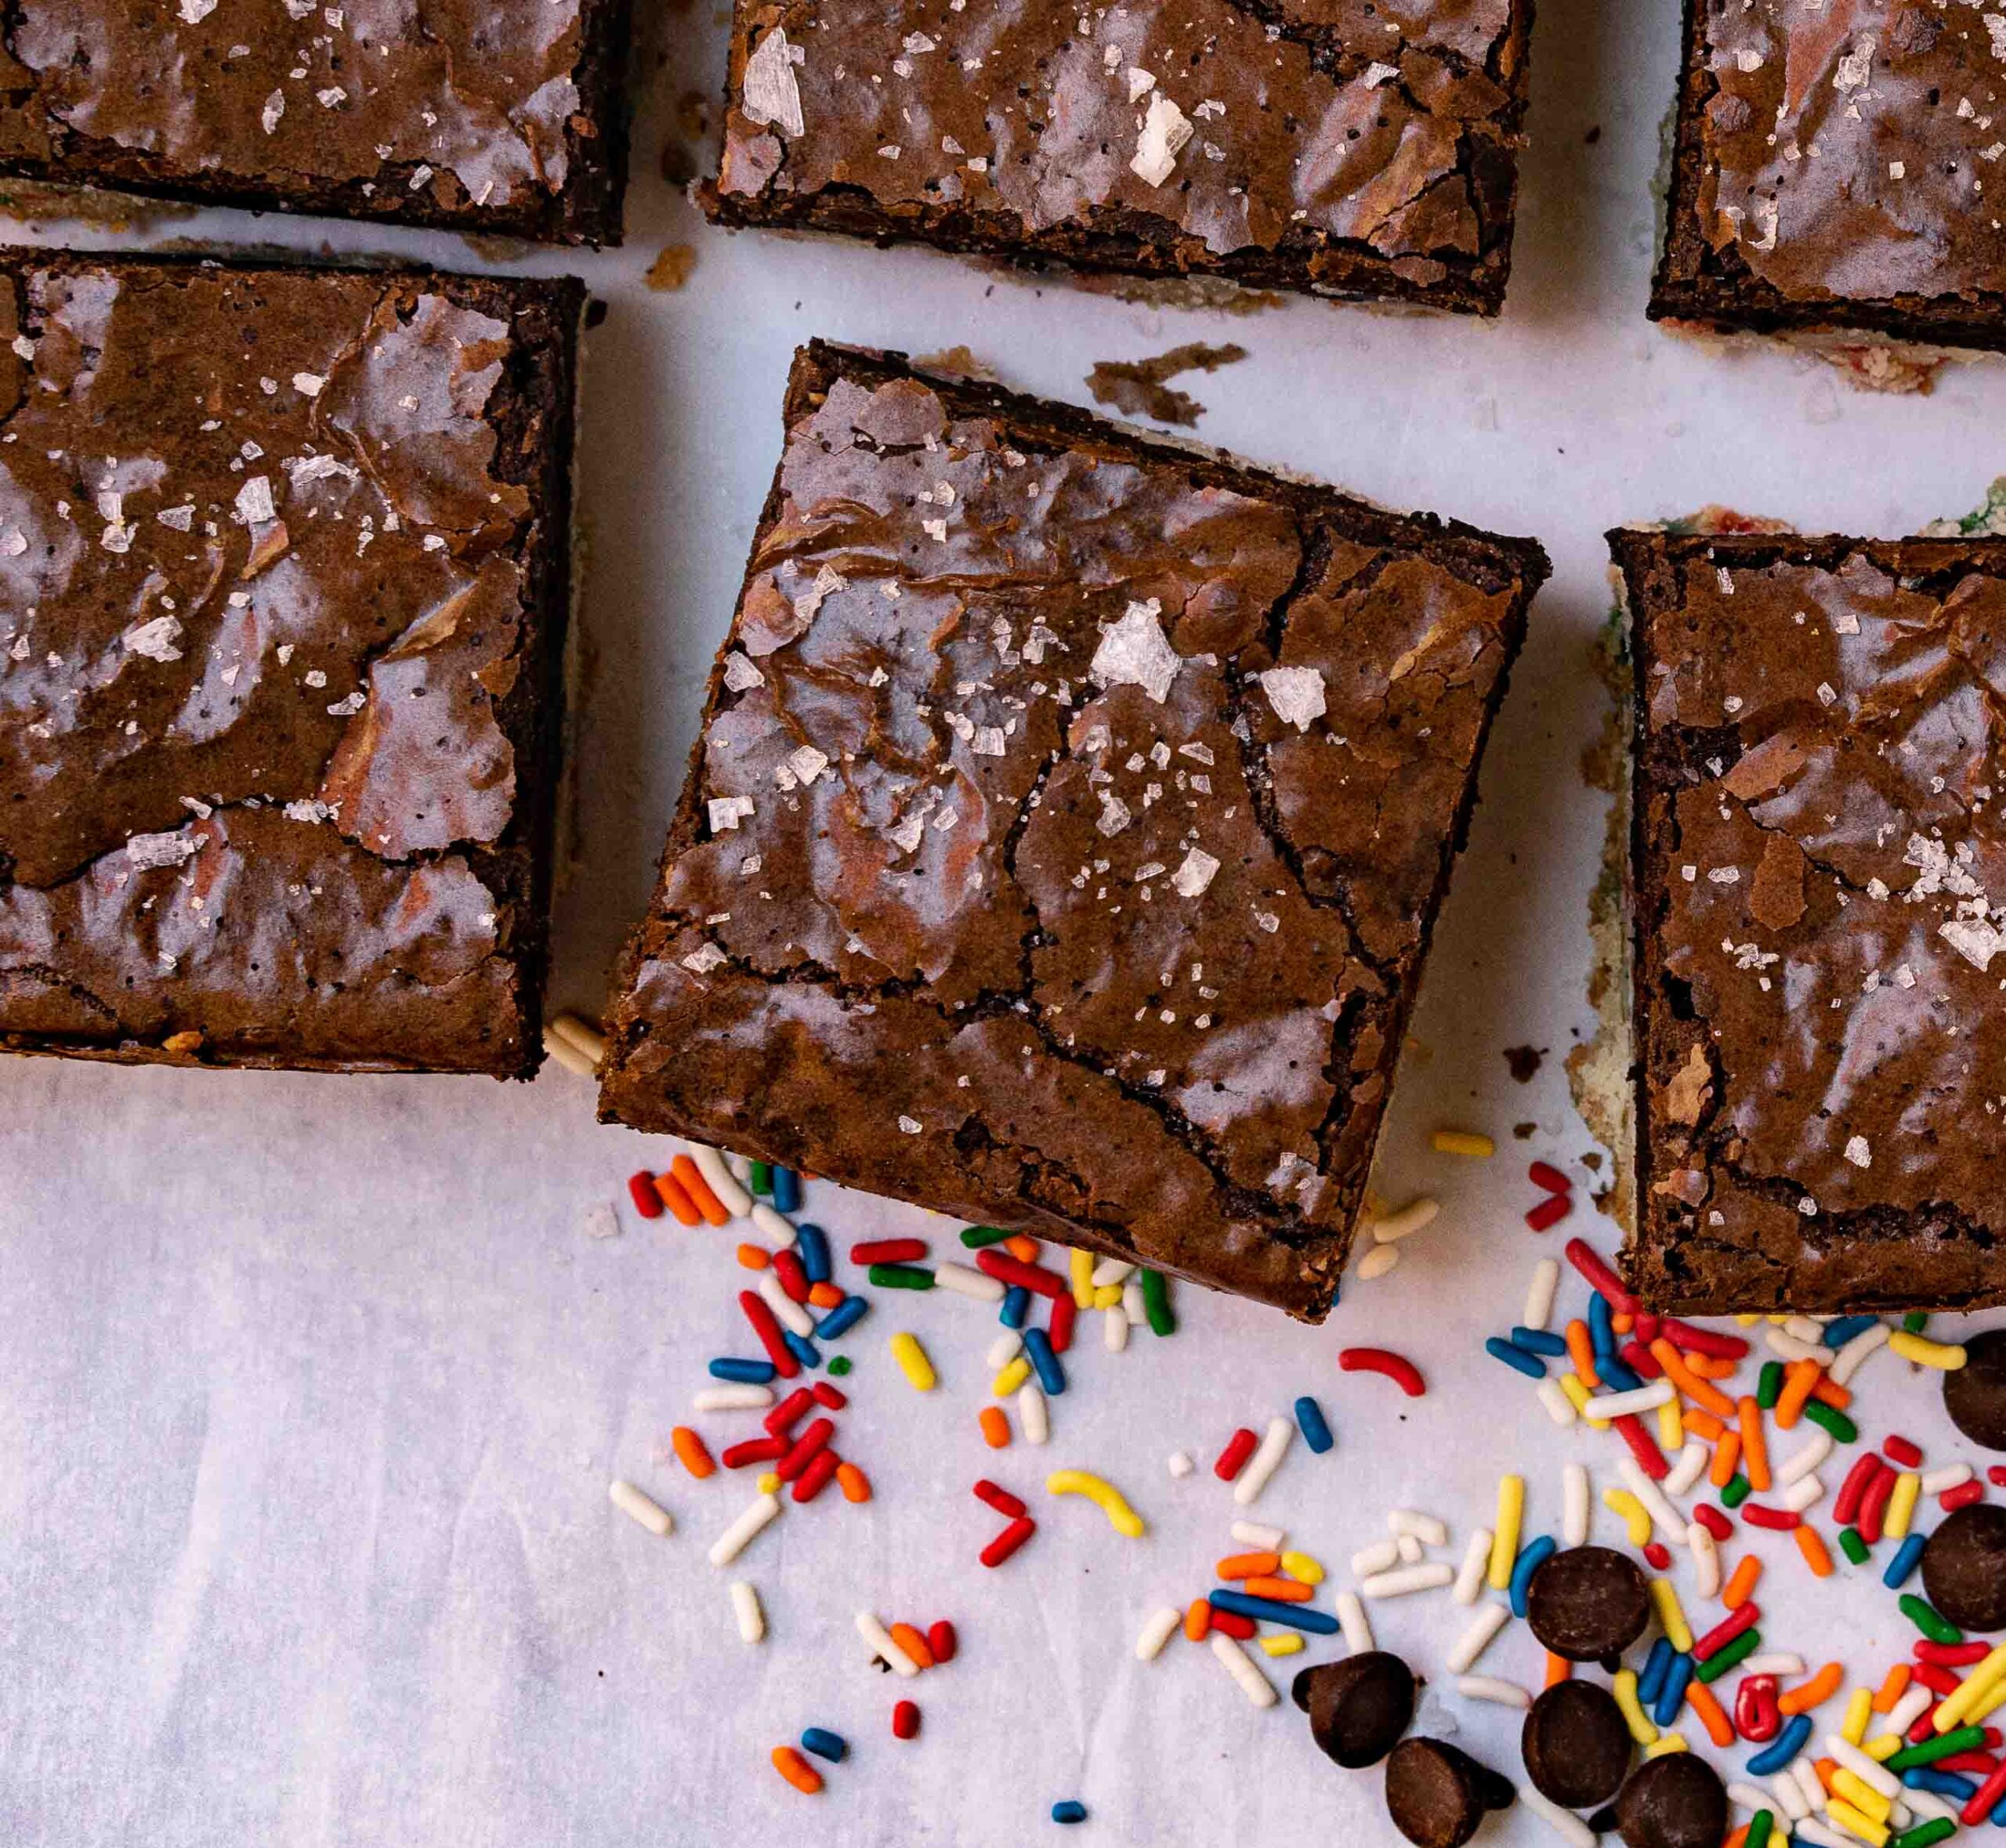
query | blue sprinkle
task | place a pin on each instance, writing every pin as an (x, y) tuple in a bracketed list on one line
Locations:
[(1038, 1347), (824, 1744), (1530, 1365), (1071, 1810), (1299, 1616), (1673, 1696), (1650, 1684), (814, 1247), (1530, 1560), (1016, 1306), (1615, 1374), (746, 1372), (1943, 1783), (802, 1348), (1538, 1341), (1839, 1331), (1786, 1744), (1901, 1568), (787, 1191), (1316, 1428), (842, 1318), (1602, 1330)]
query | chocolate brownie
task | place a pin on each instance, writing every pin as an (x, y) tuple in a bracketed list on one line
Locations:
[(477, 115), (285, 560), (1345, 147), (1836, 167), (1068, 822), (1819, 872)]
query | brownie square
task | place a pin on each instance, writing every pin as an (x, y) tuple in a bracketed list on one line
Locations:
[(477, 115), (1069, 817), (1836, 168), (284, 555), (1342, 147), (1819, 872)]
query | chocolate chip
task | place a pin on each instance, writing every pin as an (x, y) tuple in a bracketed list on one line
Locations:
[(1963, 1568), (1358, 1708), (1676, 1801), (1587, 1603), (1576, 1744), (1975, 1395), (1437, 1794)]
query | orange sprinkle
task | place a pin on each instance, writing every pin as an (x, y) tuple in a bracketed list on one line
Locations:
[(1581, 1351), (1826, 1768), (1754, 1447), (699, 1190), (824, 1296), (1799, 1377), (796, 1770), (853, 1481), (1283, 1591), (1812, 1547), (755, 1257), (1198, 1620), (1688, 1381), (1248, 1565), (1710, 1366), (1891, 1689), (1818, 1689), (690, 1453), (1703, 1424), (1740, 1585), (995, 1427), (1829, 1392), (1558, 1668), (913, 1642), (1700, 1697), (1727, 1458), (1739, 1836), (1622, 1324), (1024, 1250), (676, 1197)]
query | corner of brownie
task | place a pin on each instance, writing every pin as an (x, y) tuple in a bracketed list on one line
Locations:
[(1069, 816)]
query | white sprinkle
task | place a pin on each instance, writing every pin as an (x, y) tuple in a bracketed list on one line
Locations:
[(1488, 1687), (632, 1503), (1262, 1537), (1846, 1362), (1404, 1580), (717, 1176), (1111, 1270), (1803, 1460), (1575, 1507), (732, 1398), (745, 1607), (770, 94), (1476, 1562), (1559, 1407), (1949, 1476), (1240, 1665), (1003, 1350), (1265, 1461), (1413, 1217), (1352, 1620), (883, 1644), (791, 1315), (1489, 1619), (1381, 1556), (1664, 1516), (1114, 1330), (1033, 1418), (1424, 1527), (1179, 1462), (1565, 1823), (1540, 1292), (1160, 1628), (1610, 1406), (1706, 1560), (1295, 693), (977, 1285), (1377, 1261), (1801, 1494)]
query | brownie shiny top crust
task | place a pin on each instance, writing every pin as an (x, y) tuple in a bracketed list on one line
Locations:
[(1196, 130), (1822, 919), (269, 639)]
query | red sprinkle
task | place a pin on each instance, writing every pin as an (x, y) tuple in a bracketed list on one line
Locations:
[(787, 1413), (793, 1278), (831, 1396), (1937, 1679), (1757, 1716), (1233, 1460), (1951, 1655), (1901, 1451), (1924, 1724), (1845, 1509), (754, 1450), (768, 1332), (1996, 1475), (1744, 1617), (1659, 1556), (814, 1439), (1001, 1500), (1589, 1261), (905, 1720), (1404, 1373), (1233, 1624), (1695, 1341), (1065, 1312), (1543, 1174), (888, 1251), (1647, 1325), (940, 1638), (1873, 1505), (647, 1195), (815, 1477), (1008, 1541), (1962, 1496), (1549, 1212), (1712, 1520), (1984, 1799), (1979, 1764), (1644, 1447), (1641, 1360), (1777, 1520), (1006, 1269)]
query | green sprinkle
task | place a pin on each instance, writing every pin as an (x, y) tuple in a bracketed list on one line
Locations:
[(762, 1180), (1722, 1660), (975, 1237), (840, 1365), (1737, 1492), (1943, 1746), (1853, 1546), (1916, 1321), (1759, 1826), (901, 1277), (1843, 1429), (1156, 1302), (1769, 1384), (1920, 1613), (1924, 1835)]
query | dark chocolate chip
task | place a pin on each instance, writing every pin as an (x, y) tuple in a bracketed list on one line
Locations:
[(1358, 1708), (1588, 1602), (1975, 1395), (1437, 1794), (1576, 1744), (1676, 1801), (1963, 1568)]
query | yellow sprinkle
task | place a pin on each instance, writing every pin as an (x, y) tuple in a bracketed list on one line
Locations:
[(1083, 1277), (1633, 1715), (1859, 1710), (1873, 1833), (1283, 1645), (1505, 1536), (1577, 1395), (1926, 1354), (1621, 1503), (1989, 1703), (1301, 1566), (1962, 1699), (1671, 1427), (1012, 1377), (1671, 1742), (1748, 1321), (1860, 1794), (769, 1483), (1463, 1142), (912, 1362), (1677, 1630), (1108, 1296), (1886, 1746), (1104, 1496), (1901, 1505)]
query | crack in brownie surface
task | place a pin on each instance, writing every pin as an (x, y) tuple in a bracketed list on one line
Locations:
[(1044, 772)]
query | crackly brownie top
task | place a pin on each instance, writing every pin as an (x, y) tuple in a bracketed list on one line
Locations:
[(467, 101), (1238, 125), (1852, 148), (1140, 785), (1830, 739), (261, 605)]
